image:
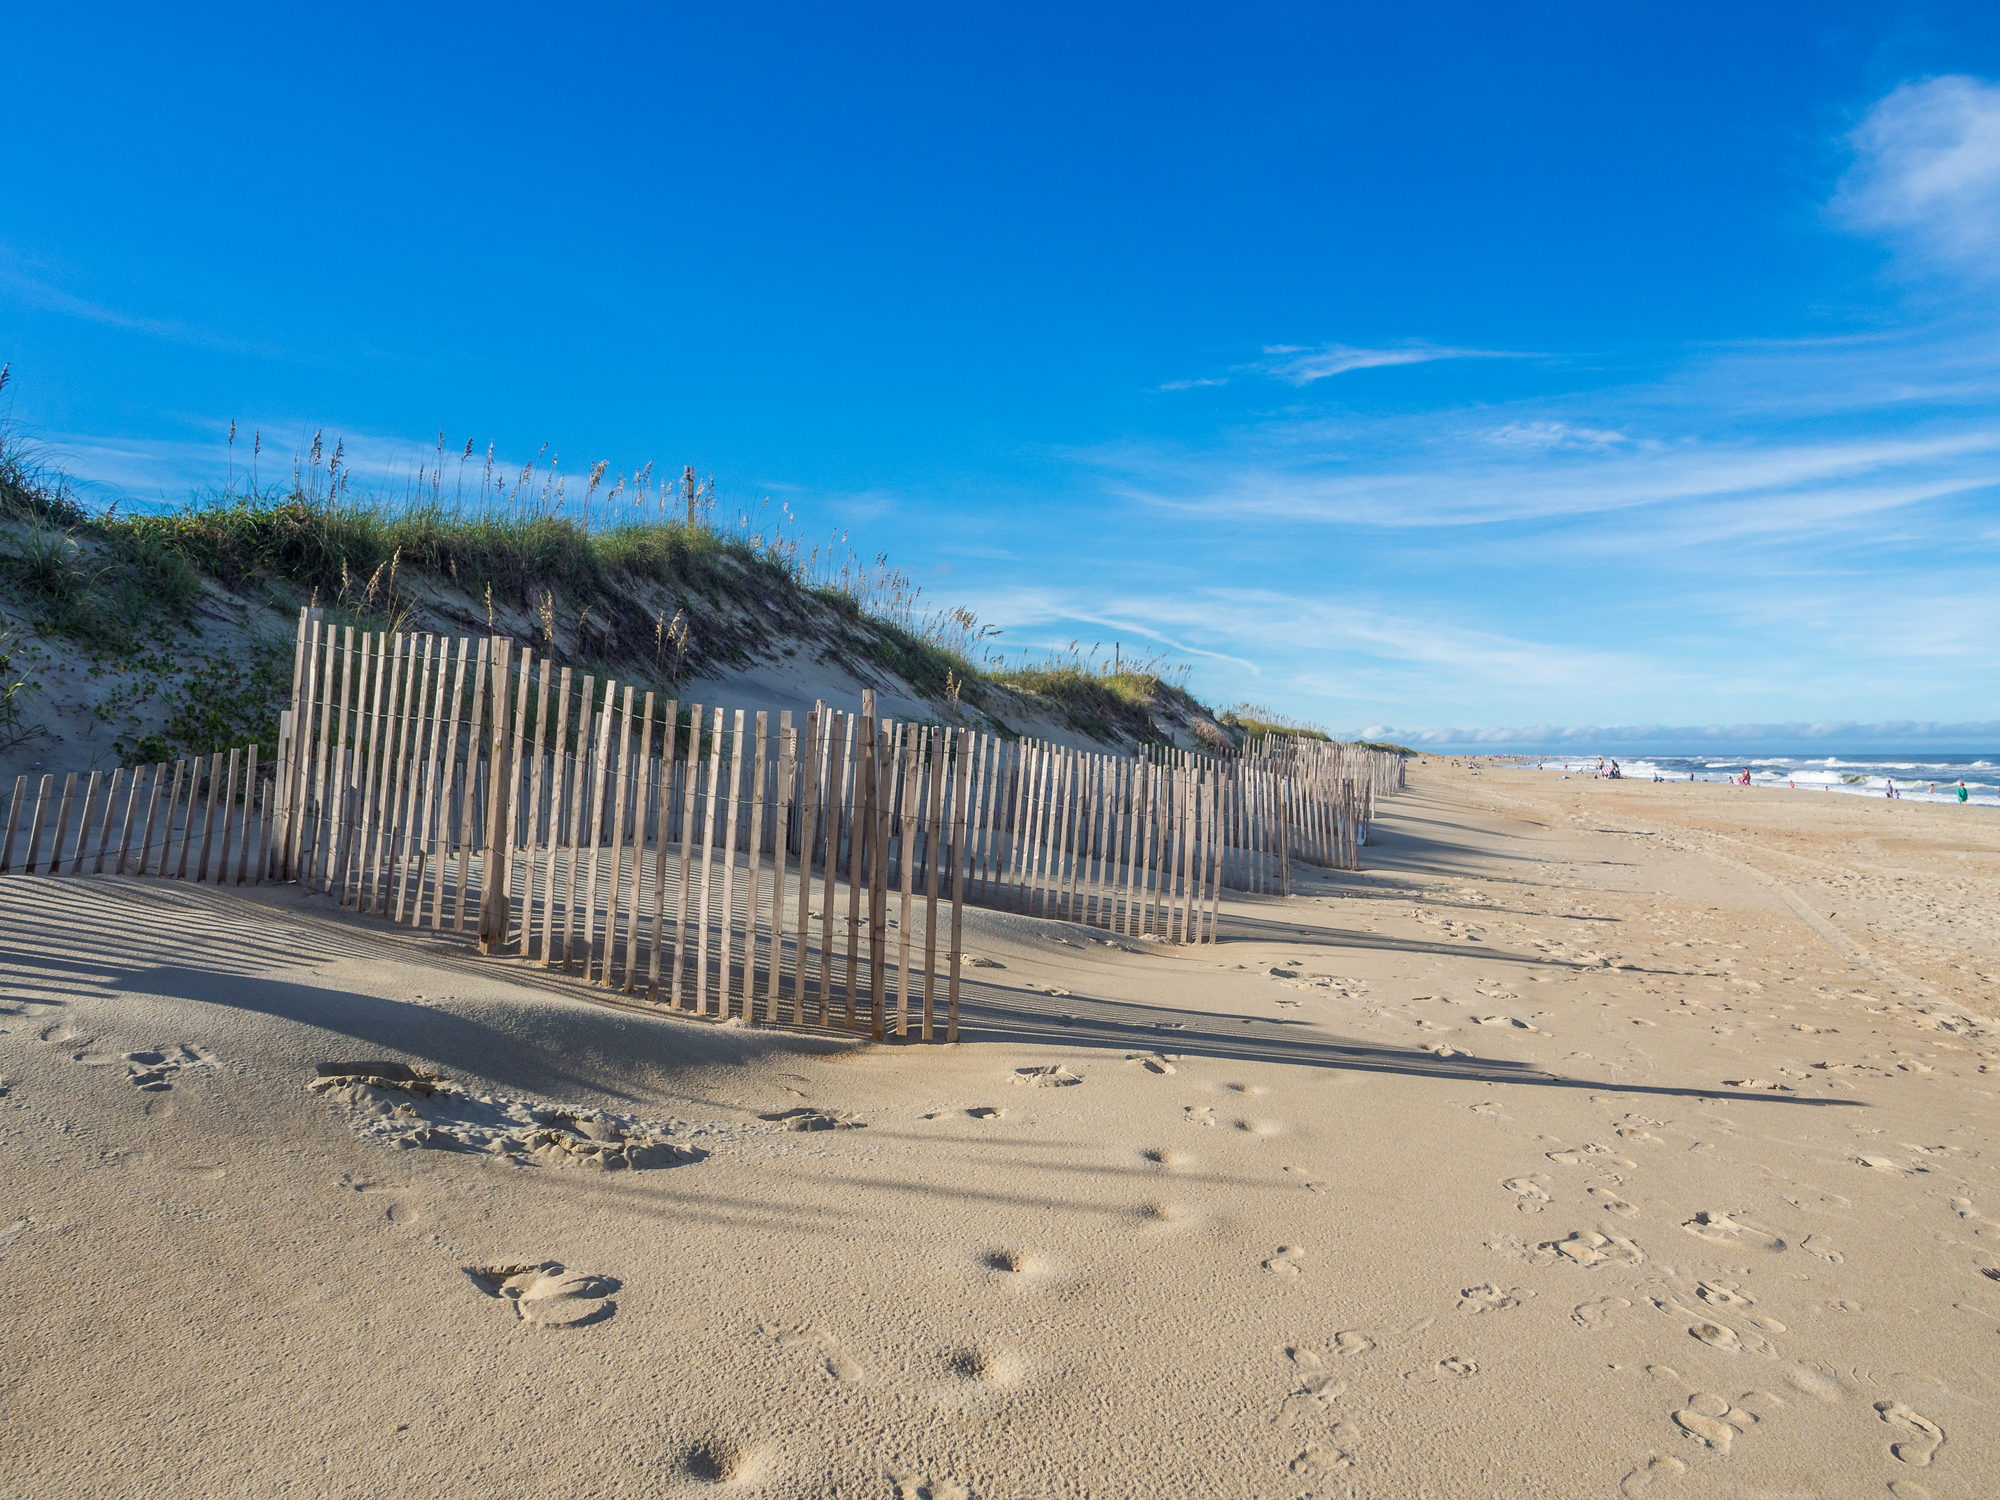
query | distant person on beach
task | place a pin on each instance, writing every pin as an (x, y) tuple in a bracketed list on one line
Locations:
[(1889, 786), (1744, 779), (1961, 791)]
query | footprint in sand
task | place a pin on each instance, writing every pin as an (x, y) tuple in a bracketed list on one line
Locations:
[(1712, 1421), (1456, 1367), (1723, 1294), (151, 1069), (1490, 1298), (1721, 1229), (1019, 1266), (1532, 1190), (1610, 1202), (1311, 1398), (986, 1367), (1815, 1381), (1198, 1114), (906, 1486), (986, 1112), (1318, 1461), (1056, 1076), (1151, 1062), (723, 1461), (1351, 1342), (548, 1294), (832, 1360), (1286, 1262), (1717, 1336), (1585, 1248), (1640, 1482), (1921, 1438), (1261, 1128), (1596, 1155), (815, 1119), (1596, 1315)]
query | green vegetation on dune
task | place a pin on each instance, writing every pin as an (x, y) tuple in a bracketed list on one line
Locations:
[(1252, 723), (1102, 706), (636, 579)]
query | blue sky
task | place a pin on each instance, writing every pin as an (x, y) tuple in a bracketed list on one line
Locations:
[(1463, 372)]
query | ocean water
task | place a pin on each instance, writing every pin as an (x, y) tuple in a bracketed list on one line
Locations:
[(1856, 775)]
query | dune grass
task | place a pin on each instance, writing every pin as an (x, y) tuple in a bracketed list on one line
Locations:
[(555, 551), (1253, 723)]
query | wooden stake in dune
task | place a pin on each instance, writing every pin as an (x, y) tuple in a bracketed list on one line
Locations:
[(642, 788), (399, 807), (250, 784), (839, 733), (669, 749), (35, 822), (732, 810), (688, 791), (468, 802), (622, 761), (788, 763), (14, 811), (860, 750), (933, 829), (590, 843), (957, 898), (908, 810), (574, 814), (447, 778), (81, 849), (107, 816), (494, 909), (808, 842), (152, 815), (61, 825), (425, 799), (124, 832), (881, 784), (230, 770), (753, 900), (558, 765), (703, 916)]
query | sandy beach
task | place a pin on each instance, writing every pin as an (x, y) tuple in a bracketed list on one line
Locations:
[(1595, 1139)]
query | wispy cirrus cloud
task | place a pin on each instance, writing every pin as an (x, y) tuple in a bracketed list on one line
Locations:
[(1927, 172), (1288, 475), (34, 291), (1303, 366), (1263, 629)]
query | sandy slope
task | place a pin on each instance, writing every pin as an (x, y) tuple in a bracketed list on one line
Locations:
[(1269, 1245)]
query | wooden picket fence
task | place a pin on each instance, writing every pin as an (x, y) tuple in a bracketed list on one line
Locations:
[(202, 819), (709, 860)]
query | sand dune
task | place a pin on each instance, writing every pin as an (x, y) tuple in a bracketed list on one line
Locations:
[(1599, 1139)]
